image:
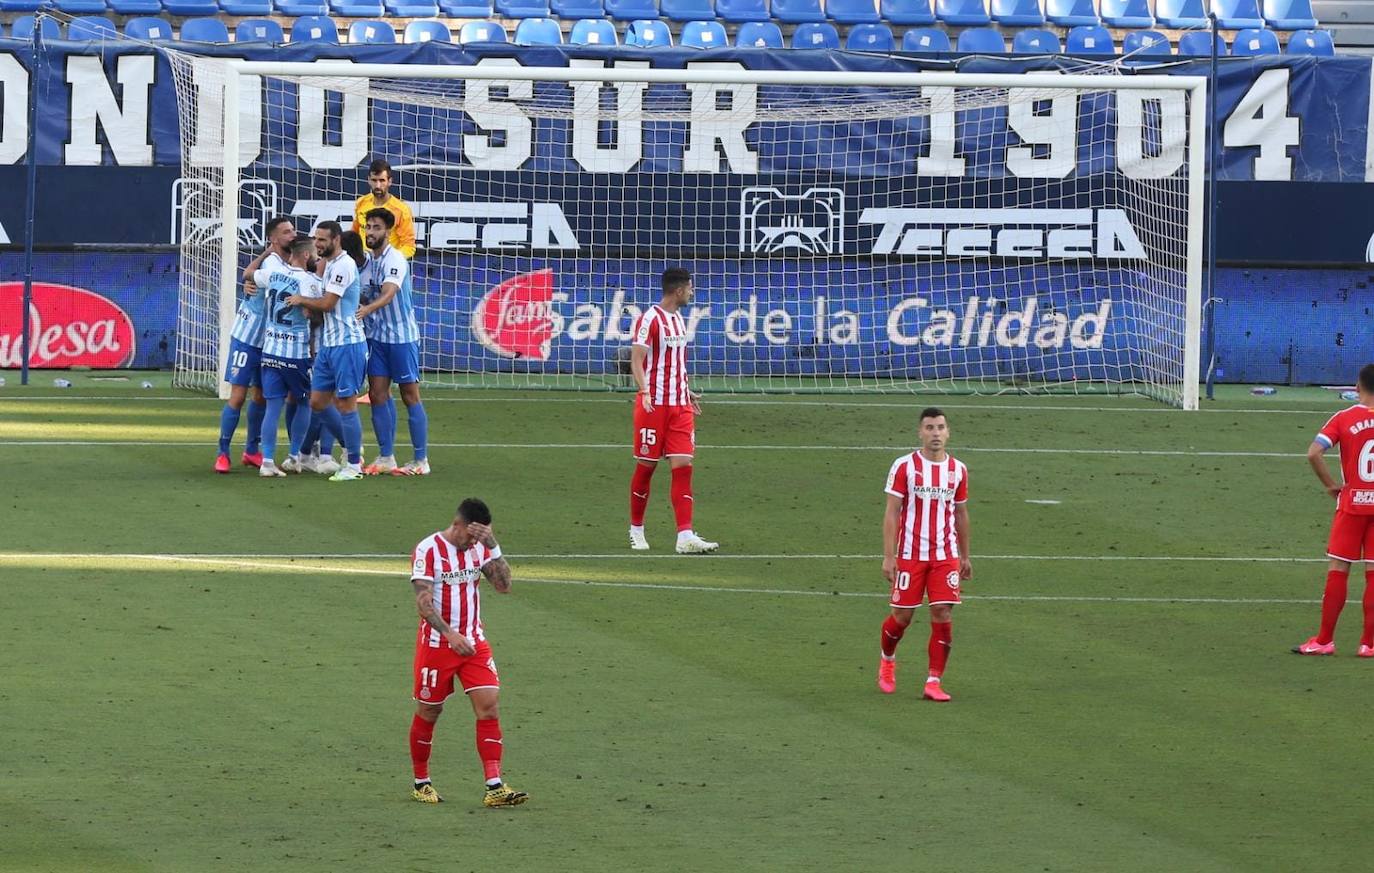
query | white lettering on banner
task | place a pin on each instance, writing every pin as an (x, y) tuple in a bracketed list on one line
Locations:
[(1055, 129), (94, 105), (14, 90), (940, 160), (712, 124), (209, 132), (65, 344), (1164, 125), (590, 152), (488, 226), (1068, 234), (1014, 328), (493, 114), (1261, 119), (311, 140)]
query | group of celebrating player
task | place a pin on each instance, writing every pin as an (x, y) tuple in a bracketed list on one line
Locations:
[(324, 319)]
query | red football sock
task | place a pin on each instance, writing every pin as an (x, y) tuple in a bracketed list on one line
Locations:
[(1367, 638), (489, 746), (421, 737), (892, 635), (639, 492), (682, 497), (939, 646), (1333, 601)]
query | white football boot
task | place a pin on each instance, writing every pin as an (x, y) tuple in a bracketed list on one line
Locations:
[(688, 543), (637, 540)]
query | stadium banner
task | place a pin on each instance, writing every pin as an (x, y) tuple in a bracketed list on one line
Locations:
[(110, 122)]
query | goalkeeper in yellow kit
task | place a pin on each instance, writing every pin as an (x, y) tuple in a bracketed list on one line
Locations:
[(379, 178)]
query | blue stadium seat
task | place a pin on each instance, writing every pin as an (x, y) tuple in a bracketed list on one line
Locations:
[(538, 31), (798, 11), (926, 39), (962, 13), (314, 28), (703, 34), (870, 38), (148, 29), (687, 10), (20, 5), (1146, 44), (412, 8), (908, 12), (89, 27), (428, 31), (523, 8), (648, 34), (759, 34), (852, 11), (1311, 42), (1237, 14), (147, 7), (814, 34), (1255, 41), (1089, 39), (740, 11), (632, 10), (1290, 14), (357, 8), (23, 28), (250, 8), (301, 8), (1181, 14), (1199, 44), (1071, 13), (482, 31), (371, 33), (593, 31), (259, 30), (204, 30), (1127, 13), (1018, 13), (981, 41), (1035, 42), (197, 7), (467, 8), (81, 7), (576, 10)]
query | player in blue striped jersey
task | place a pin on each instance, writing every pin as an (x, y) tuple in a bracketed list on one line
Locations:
[(286, 353), (242, 369), (341, 359), (393, 339)]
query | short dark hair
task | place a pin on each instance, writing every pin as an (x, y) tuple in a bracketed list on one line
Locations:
[(931, 412), (274, 223), (379, 166), (352, 243), (474, 511), (333, 227), (1367, 378), (675, 278), (302, 243), (383, 214)]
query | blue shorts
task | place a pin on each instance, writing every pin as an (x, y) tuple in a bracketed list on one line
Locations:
[(399, 362), (286, 377), (242, 366), (340, 369)]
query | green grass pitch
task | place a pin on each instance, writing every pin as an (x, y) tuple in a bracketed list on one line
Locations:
[(1116, 708)]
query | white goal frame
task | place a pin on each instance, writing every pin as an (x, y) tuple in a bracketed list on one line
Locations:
[(1194, 86)]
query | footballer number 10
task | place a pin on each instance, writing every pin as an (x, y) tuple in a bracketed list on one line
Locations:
[(903, 581)]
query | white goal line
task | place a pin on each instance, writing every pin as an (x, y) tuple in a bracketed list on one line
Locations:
[(550, 556)]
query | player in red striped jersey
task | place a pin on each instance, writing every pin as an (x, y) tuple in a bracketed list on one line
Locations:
[(1352, 529), (925, 548), (444, 572), (665, 411)]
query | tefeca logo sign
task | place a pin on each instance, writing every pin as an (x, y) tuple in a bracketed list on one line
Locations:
[(68, 327), (1058, 234), (467, 225)]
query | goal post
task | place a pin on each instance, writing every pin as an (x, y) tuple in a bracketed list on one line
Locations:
[(848, 231)]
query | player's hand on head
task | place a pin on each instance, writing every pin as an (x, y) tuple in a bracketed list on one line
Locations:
[(483, 533)]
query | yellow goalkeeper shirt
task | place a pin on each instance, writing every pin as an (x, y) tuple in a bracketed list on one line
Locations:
[(402, 234)]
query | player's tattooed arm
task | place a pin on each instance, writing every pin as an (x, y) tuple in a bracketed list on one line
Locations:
[(498, 574), (424, 604)]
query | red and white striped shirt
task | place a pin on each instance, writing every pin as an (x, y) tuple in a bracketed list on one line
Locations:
[(929, 491), (455, 573), (664, 334)]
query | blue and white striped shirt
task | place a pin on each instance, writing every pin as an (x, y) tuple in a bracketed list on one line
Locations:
[(252, 316), (288, 328), (394, 322), (341, 327)]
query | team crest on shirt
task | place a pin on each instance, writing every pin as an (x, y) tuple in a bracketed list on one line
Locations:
[(953, 580), (424, 694)]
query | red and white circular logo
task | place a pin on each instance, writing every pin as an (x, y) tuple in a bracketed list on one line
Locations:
[(515, 319)]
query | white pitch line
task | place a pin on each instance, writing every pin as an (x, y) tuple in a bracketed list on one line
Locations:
[(237, 556), (721, 589), (762, 448)]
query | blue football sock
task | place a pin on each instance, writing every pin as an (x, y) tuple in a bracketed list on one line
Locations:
[(391, 421), (314, 433), (270, 417), (419, 430), (228, 423), (327, 438), (353, 436), (299, 426), (256, 411), (383, 429)]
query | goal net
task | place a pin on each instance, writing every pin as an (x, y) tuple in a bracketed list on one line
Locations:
[(847, 231)]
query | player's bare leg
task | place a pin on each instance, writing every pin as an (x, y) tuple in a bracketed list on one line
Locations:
[(419, 431), (938, 649), (688, 543), (383, 425), (421, 742), (490, 747), (893, 628), (1333, 601), (639, 501)]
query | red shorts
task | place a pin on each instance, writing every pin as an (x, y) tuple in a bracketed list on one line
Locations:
[(937, 580), (1352, 537), (435, 669), (668, 430)]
